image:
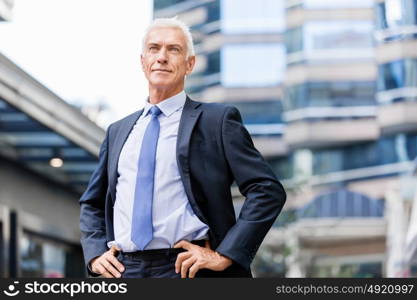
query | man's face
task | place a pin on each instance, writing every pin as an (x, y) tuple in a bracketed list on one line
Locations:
[(164, 59)]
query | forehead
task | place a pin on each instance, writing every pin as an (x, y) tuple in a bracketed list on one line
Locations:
[(166, 35)]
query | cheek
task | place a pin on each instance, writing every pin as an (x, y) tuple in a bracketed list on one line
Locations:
[(144, 67), (147, 63), (181, 68)]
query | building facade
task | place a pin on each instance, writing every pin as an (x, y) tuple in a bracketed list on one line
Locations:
[(48, 151), (327, 90), (227, 44)]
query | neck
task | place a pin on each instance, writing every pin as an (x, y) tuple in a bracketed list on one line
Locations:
[(157, 95)]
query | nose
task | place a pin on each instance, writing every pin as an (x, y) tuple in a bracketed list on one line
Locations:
[(162, 56)]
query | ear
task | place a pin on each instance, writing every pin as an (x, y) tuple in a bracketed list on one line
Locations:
[(190, 64)]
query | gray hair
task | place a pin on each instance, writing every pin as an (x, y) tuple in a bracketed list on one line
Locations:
[(171, 23)]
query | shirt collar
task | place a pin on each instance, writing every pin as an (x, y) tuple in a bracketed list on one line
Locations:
[(169, 105)]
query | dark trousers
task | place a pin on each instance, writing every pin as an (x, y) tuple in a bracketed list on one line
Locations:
[(162, 265)]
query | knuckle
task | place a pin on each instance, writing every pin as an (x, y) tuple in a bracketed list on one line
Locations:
[(199, 264), (191, 261), (188, 263), (98, 267), (105, 263), (184, 267)]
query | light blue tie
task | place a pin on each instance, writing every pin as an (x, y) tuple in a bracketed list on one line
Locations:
[(142, 230)]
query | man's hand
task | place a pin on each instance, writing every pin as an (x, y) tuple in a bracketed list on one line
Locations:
[(196, 258), (107, 264)]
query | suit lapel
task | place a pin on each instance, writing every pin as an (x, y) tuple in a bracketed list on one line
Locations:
[(190, 114), (119, 140), (189, 117)]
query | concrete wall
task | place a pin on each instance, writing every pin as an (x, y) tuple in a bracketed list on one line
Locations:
[(39, 202)]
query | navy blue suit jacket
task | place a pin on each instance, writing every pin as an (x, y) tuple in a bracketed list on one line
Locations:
[(213, 150)]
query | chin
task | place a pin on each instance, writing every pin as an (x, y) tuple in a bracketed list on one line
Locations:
[(159, 80), (160, 83)]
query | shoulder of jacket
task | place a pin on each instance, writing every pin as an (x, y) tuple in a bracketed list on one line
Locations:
[(117, 124), (216, 107)]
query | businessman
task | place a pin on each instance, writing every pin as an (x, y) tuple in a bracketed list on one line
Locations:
[(159, 203)]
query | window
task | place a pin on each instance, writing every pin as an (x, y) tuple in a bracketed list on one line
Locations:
[(326, 40), (326, 161), (411, 145), (384, 151), (325, 4), (282, 166), (160, 4), (44, 257), (285, 218), (397, 74), (213, 12), (252, 65), (213, 63), (337, 35), (339, 203), (396, 13), (296, 96), (260, 112), (334, 94), (294, 39), (248, 16)]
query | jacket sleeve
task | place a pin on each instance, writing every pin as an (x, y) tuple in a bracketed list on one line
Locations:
[(264, 194), (92, 215)]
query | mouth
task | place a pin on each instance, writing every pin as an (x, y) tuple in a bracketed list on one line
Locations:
[(161, 70)]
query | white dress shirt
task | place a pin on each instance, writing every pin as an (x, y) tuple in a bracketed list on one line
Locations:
[(173, 218)]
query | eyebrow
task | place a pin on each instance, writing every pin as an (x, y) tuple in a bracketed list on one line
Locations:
[(169, 45)]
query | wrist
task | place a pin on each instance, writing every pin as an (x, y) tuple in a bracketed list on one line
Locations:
[(225, 260), (90, 266)]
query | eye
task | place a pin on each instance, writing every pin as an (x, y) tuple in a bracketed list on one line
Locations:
[(175, 49)]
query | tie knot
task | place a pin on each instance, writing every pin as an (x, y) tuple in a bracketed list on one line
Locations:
[(155, 111)]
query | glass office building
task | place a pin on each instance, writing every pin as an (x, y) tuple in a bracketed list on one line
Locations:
[(240, 60), (330, 85), (396, 36)]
